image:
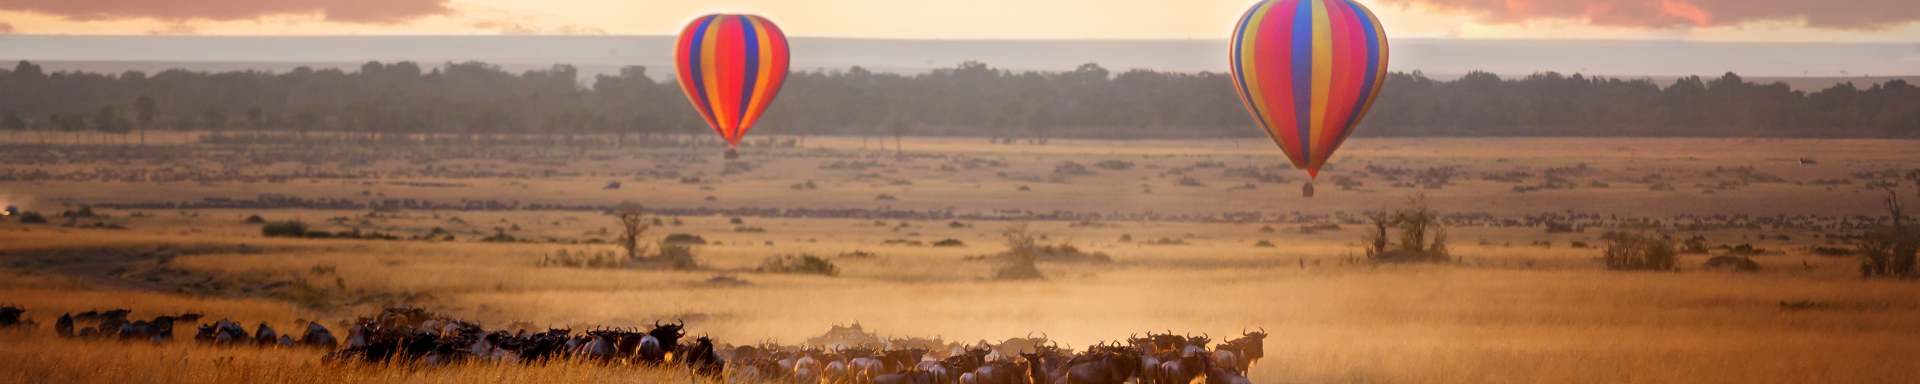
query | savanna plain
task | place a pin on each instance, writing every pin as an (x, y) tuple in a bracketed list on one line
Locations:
[(1207, 237)]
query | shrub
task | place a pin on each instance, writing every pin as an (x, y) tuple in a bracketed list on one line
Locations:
[(677, 256), (1736, 263), (1626, 251), (290, 228), (32, 218), (256, 219), (1694, 245), (800, 264), (684, 239), (1415, 223), (1023, 251), (949, 243)]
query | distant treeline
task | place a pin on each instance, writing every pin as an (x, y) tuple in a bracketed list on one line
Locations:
[(972, 99)]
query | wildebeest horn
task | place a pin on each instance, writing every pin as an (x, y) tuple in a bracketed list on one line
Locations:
[(1029, 334), (1243, 331), (1043, 336), (1263, 330), (656, 323)]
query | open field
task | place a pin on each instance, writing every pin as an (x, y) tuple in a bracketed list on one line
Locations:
[(1183, 221)]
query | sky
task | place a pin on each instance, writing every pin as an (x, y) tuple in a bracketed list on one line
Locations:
[(1690, 20)]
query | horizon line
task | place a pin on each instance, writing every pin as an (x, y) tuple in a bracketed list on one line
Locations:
[(957, 39)]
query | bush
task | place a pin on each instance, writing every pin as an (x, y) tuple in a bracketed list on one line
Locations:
[(32, 218), (1423, 237), (1023, 250), (684, 239), (1626, 251), (290, 228), (256, 219), (677, 256), (801, 264), (949, 243), (1736, 263)]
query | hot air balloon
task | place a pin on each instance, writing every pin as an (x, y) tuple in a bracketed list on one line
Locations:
[(1307, 71), (730, 67)]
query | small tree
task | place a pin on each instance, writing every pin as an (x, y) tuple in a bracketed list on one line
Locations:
[(1892, 251), (633, 223), (1022, 254), (1416, 224), (1377, 239), (1627, 251)]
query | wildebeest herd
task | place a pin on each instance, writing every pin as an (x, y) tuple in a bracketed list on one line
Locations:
[(115, 324), (416, 337)]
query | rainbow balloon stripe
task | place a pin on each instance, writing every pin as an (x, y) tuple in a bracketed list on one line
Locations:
[(1308, 70), (730, 67)]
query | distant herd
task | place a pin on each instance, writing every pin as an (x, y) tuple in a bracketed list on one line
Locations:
[(413, 336)]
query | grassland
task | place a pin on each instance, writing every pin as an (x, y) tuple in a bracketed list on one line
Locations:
[(1191, 214)]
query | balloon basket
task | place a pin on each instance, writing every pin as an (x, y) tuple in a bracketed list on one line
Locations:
[(732, 154), (1306, 190)]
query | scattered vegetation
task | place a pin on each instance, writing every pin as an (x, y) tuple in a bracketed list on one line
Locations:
[(1018, 262), (1423, 239), (684, 239), (800, 264), (1891, 251), (32, 218), (633, 223), (290, 228), (1636, 252), (1735, 263)]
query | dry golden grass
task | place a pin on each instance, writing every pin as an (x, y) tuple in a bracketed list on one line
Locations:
[(1506, 312), (45, 359)]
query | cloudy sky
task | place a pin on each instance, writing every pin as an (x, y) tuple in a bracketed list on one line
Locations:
[(1698, 20)]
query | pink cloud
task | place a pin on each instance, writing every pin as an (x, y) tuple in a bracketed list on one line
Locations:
[(348, 11), (1853, 14), (6, 28)]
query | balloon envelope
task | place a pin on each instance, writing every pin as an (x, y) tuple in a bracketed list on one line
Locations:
[(1307, 71), (731, 67)]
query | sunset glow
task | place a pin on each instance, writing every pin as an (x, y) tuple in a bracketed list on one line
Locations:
[(1701, 20)]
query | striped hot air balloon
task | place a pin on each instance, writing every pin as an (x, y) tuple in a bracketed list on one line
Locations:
[(730, 67), (1307, 71)]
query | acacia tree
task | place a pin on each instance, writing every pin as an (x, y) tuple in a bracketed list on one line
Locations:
[(1416, 224), (1892, 251), (633, 223), (1023, 254)]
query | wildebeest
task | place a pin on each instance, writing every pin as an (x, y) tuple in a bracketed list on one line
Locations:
[(318, 337), (806, 368), (64, 326), (656, 345), (264, 335), (106, 324), (223, 332), (1185, 368), (1104, 365), (11, 316), (158, 330), (704, 359), (1243, 352)]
